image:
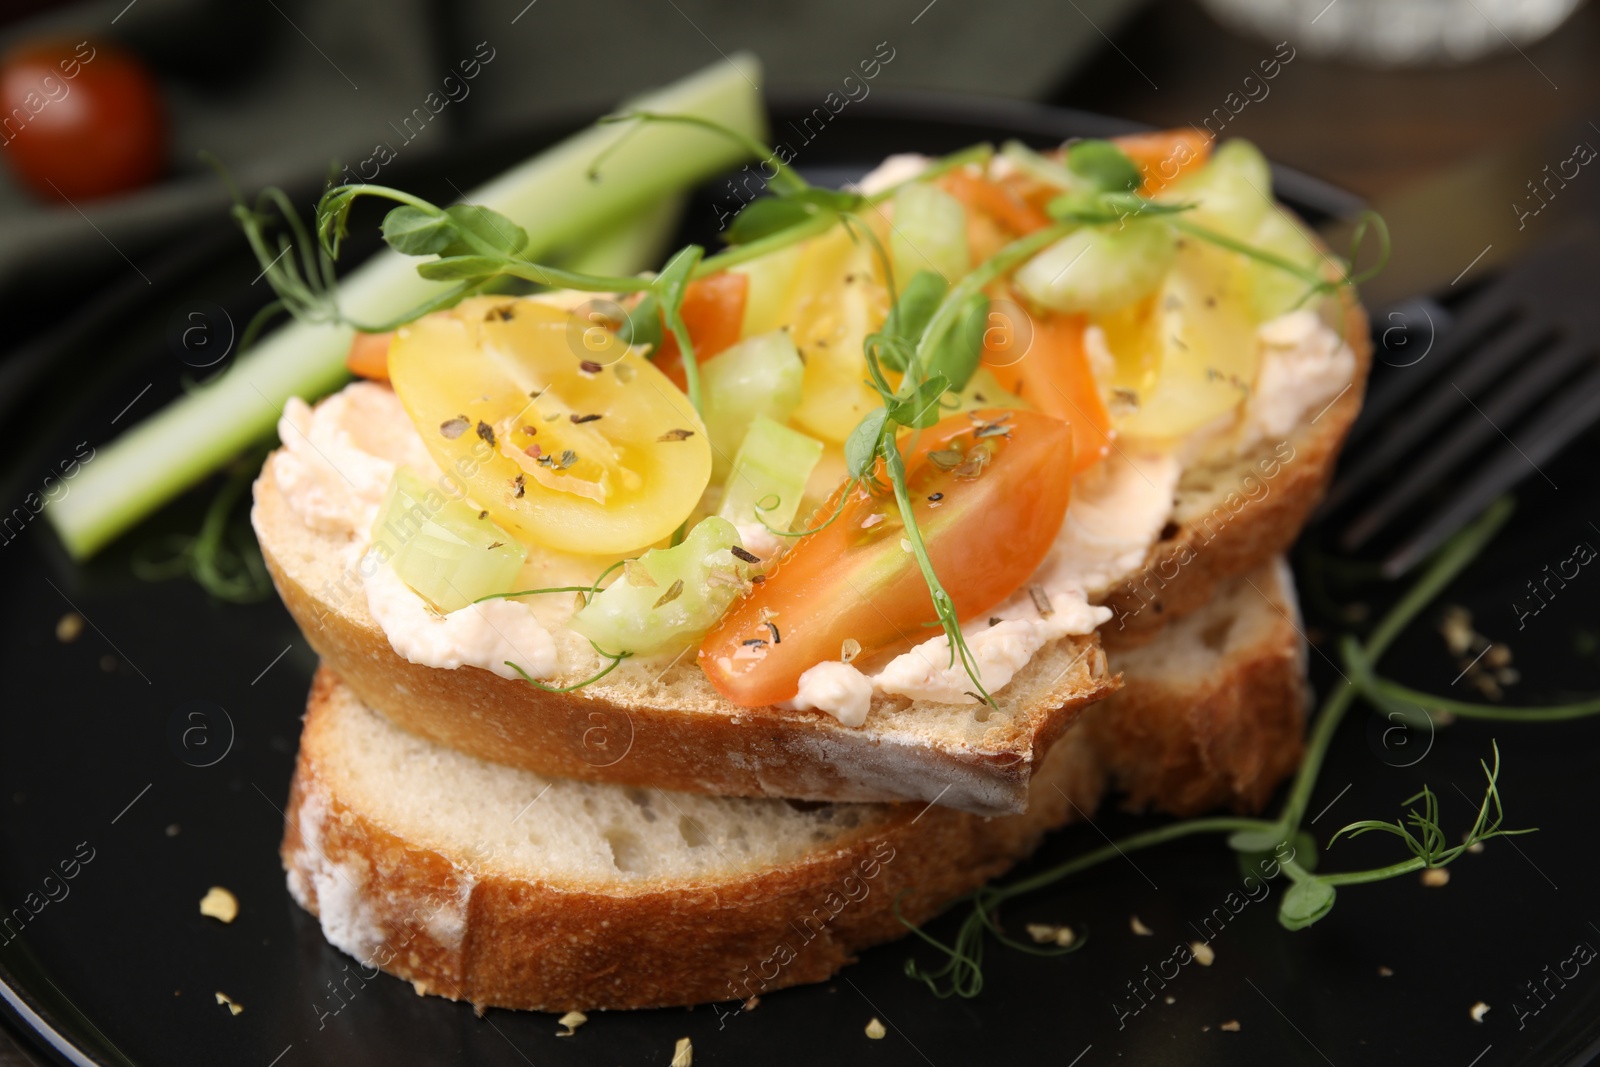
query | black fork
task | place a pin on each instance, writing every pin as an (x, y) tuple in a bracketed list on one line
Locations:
[(1511, 382)]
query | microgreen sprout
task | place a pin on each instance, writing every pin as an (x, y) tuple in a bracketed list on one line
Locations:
[(1311, 895)]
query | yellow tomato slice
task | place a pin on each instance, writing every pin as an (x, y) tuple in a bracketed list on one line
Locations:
[(565, 435), (836, 300), (1189, 353)]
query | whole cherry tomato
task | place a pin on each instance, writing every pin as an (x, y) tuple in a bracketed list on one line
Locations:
[(80, 120)]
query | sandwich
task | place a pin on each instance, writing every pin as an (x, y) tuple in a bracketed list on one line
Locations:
[(867, 518), (679, 643)]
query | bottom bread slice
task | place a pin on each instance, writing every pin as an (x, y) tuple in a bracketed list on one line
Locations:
[(482, 882)]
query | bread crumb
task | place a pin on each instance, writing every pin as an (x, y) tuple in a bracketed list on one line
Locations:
[(1205, 1029), (1138, 927), (173, 829), (751, 1005), (571, 1020), (1434, 877), (1475, 848), (875, 1029), (69, 627), (1204, 955), (219, 904), (1385, 972), (1170, 999), (421, 989), (1232, 1026), (1049, 934), (683, 1053), (1478, 1011), (233, 1006)]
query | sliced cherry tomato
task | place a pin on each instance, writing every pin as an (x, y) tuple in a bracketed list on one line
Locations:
[(713, 311), (1053, 375), (369, 355), (989, 501), (1162, 156), (1004, 203), (82, 120)]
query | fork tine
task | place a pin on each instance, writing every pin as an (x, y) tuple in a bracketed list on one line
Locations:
[(1381, 455), (1486, 315), (1530, 384), (1570, 414)]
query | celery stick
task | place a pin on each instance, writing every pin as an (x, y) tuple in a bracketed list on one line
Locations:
[(442, 548), (769, 475), (758, 376), (637, 242), (551, 196), (929, 233)]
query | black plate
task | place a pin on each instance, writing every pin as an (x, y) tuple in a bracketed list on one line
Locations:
[(159, 745)]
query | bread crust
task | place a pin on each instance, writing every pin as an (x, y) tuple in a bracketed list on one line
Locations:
[(527, 943), (1220, 530)]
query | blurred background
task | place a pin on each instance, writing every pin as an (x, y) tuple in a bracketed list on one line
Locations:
[(1373, 95)]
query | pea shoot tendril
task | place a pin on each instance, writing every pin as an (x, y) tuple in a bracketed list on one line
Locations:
[(1310, 896)]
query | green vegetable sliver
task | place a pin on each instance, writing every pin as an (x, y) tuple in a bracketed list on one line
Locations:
[(552, 196)]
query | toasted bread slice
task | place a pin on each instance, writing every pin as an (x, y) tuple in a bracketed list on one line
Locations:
[(482, 882)]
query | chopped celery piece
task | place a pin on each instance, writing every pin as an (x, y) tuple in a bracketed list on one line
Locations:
[(769, 475), (771, 278), (668, 597), (758, 376), (1099, 269), (1042, 168), (440, 547), (929, 233), (1276, 291), (1232, 192)]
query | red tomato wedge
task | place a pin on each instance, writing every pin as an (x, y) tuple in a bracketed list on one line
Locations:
[(1054, 376), (1163, 155), (369, 355), (989, 499), (713, 313), (1003, 203)]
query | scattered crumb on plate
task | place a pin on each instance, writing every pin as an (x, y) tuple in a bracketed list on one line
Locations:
[(751, 1005), (1170, 999), (1232, 1026), (571, 1020), (219, 904), (683, 1053), (1385, 972), (69, 627), (875, 1029), (1434, 877), (1138, 927), (1050, 934), (233, 1006), (1478, 1011), (1204, 955)]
